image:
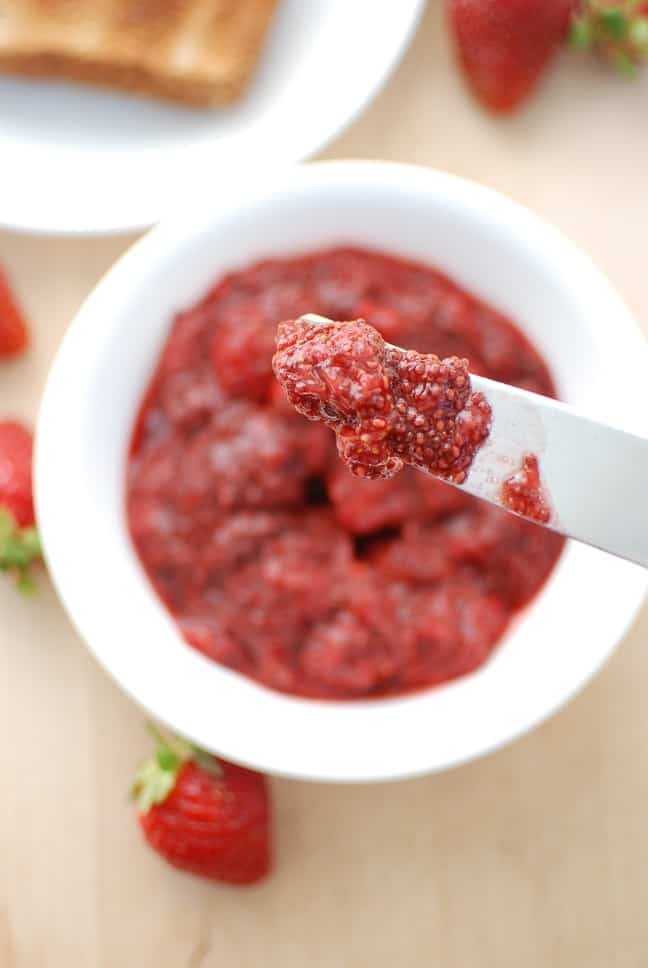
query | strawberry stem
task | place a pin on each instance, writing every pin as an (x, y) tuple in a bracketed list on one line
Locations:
[(156, 733), (207, 762), (20, 548), (157, 775)]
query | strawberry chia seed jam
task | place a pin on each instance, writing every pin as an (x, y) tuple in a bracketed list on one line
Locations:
[(271, 557), (388, 406), (523, 492)]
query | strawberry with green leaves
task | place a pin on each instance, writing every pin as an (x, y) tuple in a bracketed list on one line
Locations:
[(203, 814), (14, 337), (504, 46), (19, 543)]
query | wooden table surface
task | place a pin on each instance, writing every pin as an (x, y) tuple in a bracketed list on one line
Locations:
[(536, 856)]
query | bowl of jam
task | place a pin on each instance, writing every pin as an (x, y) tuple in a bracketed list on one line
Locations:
[(219, 559)]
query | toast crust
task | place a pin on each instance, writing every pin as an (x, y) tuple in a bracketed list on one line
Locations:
[(150, 50)]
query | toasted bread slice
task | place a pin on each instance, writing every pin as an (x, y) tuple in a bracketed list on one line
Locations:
[(198, 52)]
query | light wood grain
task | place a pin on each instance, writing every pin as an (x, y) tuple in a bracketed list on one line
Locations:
[(533, 857)]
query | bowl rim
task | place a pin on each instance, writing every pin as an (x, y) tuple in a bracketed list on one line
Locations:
[(168, 237)]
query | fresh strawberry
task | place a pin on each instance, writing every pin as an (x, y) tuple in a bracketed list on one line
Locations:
[(618, 29), (505, 45), (16, 445), (19, 544), (14, 337), (203, 814)]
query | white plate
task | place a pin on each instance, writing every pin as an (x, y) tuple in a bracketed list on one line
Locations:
[(78, 160), (495, 248)]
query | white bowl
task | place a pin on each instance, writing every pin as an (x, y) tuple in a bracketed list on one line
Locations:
[(77, 160), (499, 251)]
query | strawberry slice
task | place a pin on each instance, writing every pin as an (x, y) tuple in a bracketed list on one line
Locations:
[(505, 45), (14, 337)]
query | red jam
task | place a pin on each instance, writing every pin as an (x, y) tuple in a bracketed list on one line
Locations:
[(271, 557), (387, 406), (523, 492)]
